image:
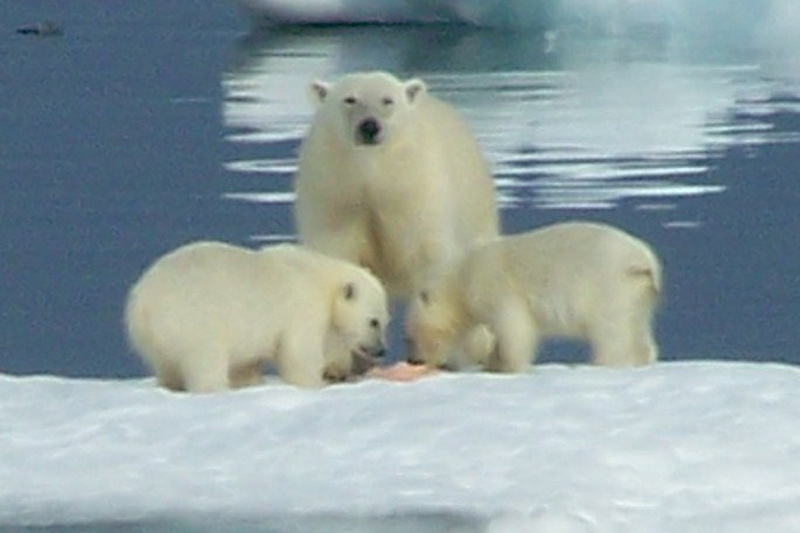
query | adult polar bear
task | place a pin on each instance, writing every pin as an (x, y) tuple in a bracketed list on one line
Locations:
[(391, 178), (208, 315)]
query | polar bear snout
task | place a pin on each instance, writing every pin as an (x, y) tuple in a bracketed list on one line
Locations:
[(375, 349), (366, 356), (427, 355), (369, 132)]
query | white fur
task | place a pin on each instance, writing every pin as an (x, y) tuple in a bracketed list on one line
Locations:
[(581, 280), (403, 205), (208, 315)]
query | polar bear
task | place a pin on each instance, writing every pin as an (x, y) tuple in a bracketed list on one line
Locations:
[(207, 316), (578, 279), (391, 178)]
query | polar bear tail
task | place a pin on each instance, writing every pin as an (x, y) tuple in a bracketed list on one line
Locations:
[(650, 269), (135, 319)]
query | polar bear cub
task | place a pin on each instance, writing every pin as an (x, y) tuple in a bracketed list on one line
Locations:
[(208, 315), (391, 178), (582, 280)]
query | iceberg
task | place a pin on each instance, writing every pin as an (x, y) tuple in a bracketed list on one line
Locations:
[(606, 16), (689, 447), (470, 12)]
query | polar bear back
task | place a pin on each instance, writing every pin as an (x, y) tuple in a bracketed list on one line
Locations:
[(568, 274), (175, 295)]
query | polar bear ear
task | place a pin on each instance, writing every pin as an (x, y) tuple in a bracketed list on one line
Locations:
[(414, 88), (318, 91), (349, 291)]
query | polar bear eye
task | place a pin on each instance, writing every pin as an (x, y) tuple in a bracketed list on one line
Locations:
[(424, 297), (374, 323), (388, 100), (349, 100)]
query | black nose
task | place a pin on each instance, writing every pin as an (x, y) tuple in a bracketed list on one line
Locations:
[(368, 131)]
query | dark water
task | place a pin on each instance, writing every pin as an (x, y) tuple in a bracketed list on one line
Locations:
[(398, 523), (153, 123)]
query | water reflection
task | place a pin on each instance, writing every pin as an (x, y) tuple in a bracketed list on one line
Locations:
[(568, 122)]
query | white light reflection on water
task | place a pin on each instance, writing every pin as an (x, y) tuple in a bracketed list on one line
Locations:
[(587, 126)]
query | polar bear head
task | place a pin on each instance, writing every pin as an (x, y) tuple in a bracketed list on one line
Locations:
[(359, 317), (432, 328), (368, 109)]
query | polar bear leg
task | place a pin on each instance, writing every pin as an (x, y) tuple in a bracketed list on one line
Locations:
[(168, 376), (246, 375), (477, 347), (205, 372), (301, 361), (644, 350), (516, 337), (624, 338)]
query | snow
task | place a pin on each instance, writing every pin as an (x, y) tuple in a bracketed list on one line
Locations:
[(689, 447)]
